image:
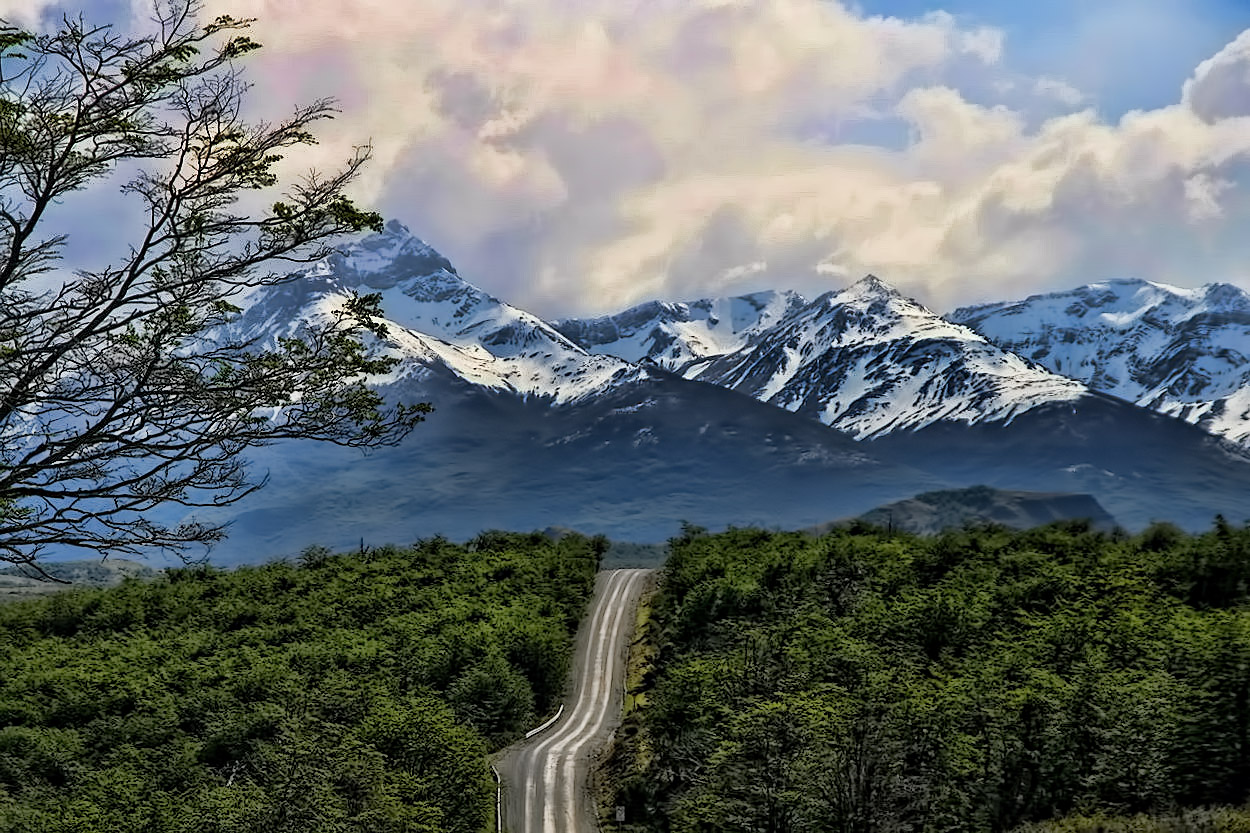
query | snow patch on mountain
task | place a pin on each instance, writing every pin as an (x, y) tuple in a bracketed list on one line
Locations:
[(1182, 352), (869, 361), (435, 318), (674, 334)]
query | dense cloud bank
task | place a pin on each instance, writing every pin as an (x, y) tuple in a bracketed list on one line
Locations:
[(577, 156)]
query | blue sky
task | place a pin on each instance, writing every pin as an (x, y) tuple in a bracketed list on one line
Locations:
[(1126, 54)]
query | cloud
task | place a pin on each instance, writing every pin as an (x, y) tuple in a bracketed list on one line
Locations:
[(1202, 197), (1220, 86), (24, 13), (1058, 90), (578, 155)]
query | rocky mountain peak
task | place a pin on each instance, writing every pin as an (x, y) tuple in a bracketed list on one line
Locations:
[(1183, 352), (381, 261), (870, 286), (672, 334), (1227, 296)]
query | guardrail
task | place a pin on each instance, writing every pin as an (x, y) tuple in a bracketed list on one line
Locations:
[(498, 800), (546, 725)]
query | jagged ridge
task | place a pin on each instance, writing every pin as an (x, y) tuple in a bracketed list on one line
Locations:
[(672, 334), (436, 318), (1182, 352)]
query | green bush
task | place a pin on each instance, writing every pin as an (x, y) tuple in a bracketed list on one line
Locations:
[(981, 680), (351, 692)]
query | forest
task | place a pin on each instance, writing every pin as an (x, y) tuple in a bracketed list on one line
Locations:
[(356, 692), (1051, 680)]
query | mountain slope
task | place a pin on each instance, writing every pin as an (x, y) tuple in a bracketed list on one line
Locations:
[(18, 583), (673, 334), (435, 318), (638, 460), (932, 512), (1182, 352), (634, 462), (1139, 465), (869, 362)]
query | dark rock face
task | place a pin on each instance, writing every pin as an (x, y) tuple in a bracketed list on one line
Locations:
[(1139, 465), (932, 512)]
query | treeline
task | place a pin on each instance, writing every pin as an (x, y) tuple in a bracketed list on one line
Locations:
[(1057, 679), (346, 693)]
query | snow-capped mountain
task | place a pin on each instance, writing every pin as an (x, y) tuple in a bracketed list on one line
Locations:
[(530, 429), (674, 334), (1182, 352), (865, 360), (435, 318), (870, 361)]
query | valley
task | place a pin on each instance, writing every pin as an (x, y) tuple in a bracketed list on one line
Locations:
[(748, 416), (763, 409)]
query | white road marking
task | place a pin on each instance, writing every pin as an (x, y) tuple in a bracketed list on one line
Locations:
[(598, 710), (594, 677)]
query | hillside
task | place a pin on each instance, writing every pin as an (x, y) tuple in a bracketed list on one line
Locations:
[(933, 512), (357, 692), (984, 681), (21, 583)]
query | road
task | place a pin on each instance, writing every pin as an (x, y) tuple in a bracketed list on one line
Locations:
[(546, 777)]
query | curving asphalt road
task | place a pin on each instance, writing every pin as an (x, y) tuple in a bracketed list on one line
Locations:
[(546, 777)]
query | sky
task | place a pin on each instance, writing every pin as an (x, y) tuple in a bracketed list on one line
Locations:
[(577, 156)]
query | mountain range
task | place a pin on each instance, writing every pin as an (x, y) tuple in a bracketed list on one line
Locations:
[(765, 409), (1182, 352), (865, 360)]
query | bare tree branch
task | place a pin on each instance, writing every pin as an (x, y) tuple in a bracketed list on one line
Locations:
[(124, 389)]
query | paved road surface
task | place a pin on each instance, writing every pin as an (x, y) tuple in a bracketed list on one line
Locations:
[(545, 777)]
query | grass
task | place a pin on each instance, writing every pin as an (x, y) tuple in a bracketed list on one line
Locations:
[(642, 652)]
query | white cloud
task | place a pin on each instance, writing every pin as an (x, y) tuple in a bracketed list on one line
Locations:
[(25, 13), (575, 155), (1220, 86), (1058, 90), (1202, 195), (985, 43)]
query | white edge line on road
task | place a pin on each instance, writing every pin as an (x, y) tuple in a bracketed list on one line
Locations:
[(546, 725), (498, 800), (601, 712), (602, 613)]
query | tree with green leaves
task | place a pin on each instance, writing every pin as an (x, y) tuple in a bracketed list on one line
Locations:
[(122, 388), (1038, 681), (347, 694)]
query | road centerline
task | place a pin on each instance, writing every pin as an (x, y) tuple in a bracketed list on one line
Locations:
[(551, 798)]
